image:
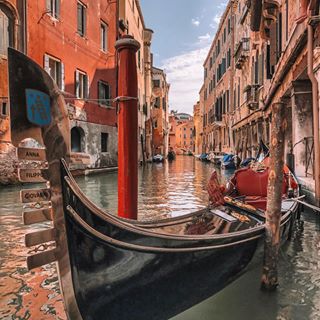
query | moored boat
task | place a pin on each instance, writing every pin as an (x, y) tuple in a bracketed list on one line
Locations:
[(115, 268), (158, 158)]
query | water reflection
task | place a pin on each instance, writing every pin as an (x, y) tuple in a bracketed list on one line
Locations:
[(165, 189)]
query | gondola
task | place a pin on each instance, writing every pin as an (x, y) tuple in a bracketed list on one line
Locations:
[(115, 268)]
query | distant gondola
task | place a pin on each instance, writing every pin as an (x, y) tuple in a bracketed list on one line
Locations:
[(114, 268)]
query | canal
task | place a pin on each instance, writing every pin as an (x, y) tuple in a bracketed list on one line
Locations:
[(168, 189)]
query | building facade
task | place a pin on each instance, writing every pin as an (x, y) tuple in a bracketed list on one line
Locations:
[(74, 42), (160, 112), (13, 34), (218, 87), (269, 64), (131, 22), (181, 133), (197, 132)]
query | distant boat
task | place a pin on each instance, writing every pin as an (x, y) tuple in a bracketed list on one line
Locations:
[(228, 162), (204, 157), (216, 157), (158, 158)]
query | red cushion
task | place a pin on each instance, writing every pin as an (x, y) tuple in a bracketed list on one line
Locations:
[(251, 183)]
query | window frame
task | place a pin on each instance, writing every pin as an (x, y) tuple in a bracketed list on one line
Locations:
[(54, 8), (104, 143), (58, 62), (104, 38), (81, 79), (83, 31), (105, 84)]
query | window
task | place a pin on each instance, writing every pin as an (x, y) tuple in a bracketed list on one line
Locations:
[(156, 83), (139, 59), (103, 36), (156, 124), (53, 8), (157, 103), (104, 142), (164, 104), (56, 70), (81, 19), (6, 33), (104, 93), (4, 108), (76, 139), (82, 85)]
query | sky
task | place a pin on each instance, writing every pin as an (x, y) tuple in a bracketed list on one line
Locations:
[(183, 32)]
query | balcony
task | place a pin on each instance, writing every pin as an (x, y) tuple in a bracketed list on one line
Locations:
[(252, 92), (242, 52)]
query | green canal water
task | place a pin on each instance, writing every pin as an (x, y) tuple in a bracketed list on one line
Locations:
[(168, 189)]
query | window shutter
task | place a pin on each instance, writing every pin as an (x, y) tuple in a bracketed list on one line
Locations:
[(84, 20), (100, 92), (87, 86), (77, 84), (62, 77), (46, 63), (79, 18), (109, 93), (48, 5), (57, 9)]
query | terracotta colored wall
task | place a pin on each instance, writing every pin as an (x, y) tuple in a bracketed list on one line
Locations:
[(11, 9), (186, 129), (59, 38)]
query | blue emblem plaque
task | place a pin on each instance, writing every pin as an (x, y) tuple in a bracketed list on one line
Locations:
[(38, 107)]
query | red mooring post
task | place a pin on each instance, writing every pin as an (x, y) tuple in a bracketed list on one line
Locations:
[(127, 47)]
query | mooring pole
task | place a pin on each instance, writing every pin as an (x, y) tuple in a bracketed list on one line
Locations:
[(269, 279), (127, 47)]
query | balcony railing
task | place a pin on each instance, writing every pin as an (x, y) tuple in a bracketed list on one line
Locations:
[(242, 52), (252, 96)]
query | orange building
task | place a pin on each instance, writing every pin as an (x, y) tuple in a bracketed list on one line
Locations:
[(74, 42), (181, 132), (160, 112)]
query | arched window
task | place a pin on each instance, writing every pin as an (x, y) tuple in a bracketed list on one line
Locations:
[(77, 137)]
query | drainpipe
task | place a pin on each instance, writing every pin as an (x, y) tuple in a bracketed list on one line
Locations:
[(315, 104)]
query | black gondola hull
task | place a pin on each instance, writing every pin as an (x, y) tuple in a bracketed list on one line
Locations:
[(112, 282)]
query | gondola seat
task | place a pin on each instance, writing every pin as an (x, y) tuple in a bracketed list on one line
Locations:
[(253, 185)]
